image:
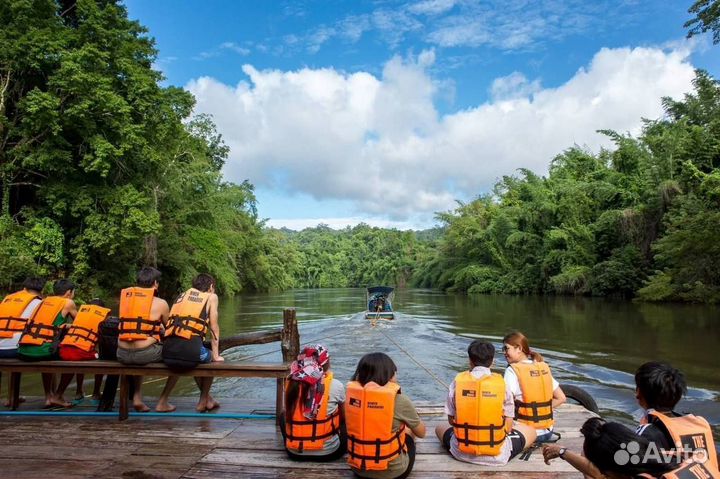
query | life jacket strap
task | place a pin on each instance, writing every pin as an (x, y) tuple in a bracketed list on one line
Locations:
[(89, 334), (535, 416), (314, 436), (125, 326), (41, 331), (7, 327), (490, 427), (378, 443), (187, 323)]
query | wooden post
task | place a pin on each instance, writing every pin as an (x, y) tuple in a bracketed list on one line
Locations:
[(14, 390), (290, 346), (124, 383), (290, 342)]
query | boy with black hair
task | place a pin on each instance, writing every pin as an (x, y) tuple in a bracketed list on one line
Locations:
[(659, 387), (143, 316), (15, 309), (480, 412), (194, 317), (43, 331)]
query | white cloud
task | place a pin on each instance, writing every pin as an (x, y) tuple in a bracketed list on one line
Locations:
[(431, 7), (381, 143), (232, 46), (513, 86)]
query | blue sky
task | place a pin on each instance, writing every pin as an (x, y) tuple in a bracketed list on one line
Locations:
[(386, 112)]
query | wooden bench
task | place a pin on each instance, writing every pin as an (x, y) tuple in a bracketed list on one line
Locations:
[(228, 369), (288, 337)]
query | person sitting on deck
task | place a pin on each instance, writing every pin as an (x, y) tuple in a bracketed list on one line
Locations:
[(480, 411), (535, 392), (39, 341), (312, 426), (80, 344), (192, 315), (377, 417), (658, 389), (15, 310), (613, 451), (142, 317)]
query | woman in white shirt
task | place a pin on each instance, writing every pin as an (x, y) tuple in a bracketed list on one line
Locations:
[(535, 392)]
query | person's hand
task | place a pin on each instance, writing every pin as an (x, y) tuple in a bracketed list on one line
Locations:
[(550, 451), (218, 359)]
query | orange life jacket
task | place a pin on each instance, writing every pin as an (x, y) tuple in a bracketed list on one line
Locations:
[(11, 310), (40, 328), (83, 333), (536, 385), (369, 411), (479, 424), (188, 316), (691, 434), (135, 322), (303, 434), (689, 470)]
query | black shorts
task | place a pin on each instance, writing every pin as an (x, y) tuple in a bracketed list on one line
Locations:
[(180, 353), (517, 441)]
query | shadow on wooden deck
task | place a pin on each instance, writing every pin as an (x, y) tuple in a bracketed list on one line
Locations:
[(167, 447)]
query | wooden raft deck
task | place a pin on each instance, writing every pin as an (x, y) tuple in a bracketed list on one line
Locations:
[(167, 447)]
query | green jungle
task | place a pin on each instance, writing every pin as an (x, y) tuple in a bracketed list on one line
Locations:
[(104, 170)]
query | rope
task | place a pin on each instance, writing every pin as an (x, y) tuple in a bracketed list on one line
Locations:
[(432, 375)]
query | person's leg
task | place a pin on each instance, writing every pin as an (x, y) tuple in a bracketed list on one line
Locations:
[(528, 433), (79, 393), (107, 400), (138, 403), (206, 402), (440, 430), (163, 405), (62, 386), (410, 443), (97, 387), (51, 398)]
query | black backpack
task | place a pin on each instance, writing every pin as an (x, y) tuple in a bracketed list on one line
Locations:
[(109, 331)]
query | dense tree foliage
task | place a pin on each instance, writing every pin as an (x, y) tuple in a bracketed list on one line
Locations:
[(102, 169), (643, 218), (707, 18), (360, 256)]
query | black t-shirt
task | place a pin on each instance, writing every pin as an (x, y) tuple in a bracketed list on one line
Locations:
[(656, 432)]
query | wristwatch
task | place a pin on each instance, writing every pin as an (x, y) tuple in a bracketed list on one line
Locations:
[(561, 453)]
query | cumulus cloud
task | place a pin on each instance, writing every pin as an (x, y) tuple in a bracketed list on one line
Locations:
[(380, 142)]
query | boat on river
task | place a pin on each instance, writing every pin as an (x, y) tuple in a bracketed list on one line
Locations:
[(379, 302)]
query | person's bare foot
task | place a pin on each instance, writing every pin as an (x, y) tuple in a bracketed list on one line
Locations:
[(21, 400), (201, 406), (211, 404), (141, 407), (165, 407), (58, 402)]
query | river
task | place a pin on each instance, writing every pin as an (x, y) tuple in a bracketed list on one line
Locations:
[(589, 342)]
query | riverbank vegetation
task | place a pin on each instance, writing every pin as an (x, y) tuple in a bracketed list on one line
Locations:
[(103, 169)]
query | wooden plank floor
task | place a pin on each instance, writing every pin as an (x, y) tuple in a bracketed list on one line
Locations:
[(167, 447)]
